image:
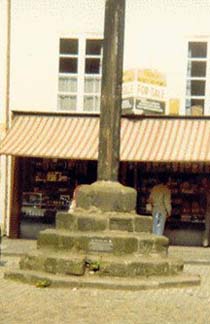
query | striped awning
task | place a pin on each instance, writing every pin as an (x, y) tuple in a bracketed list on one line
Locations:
[(151, 139)]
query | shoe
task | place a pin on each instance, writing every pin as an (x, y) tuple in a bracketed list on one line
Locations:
[(205, 243)]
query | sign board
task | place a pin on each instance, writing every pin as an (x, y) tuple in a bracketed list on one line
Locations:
[(100, 245), (150, 106), (144, 92)]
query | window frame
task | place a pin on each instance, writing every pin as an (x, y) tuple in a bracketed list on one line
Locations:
[(81, 75)]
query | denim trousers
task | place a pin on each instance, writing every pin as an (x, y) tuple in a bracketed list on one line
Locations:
[(206, 234), (158, 223)]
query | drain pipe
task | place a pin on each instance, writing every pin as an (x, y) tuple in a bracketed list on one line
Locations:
[(7, 111)]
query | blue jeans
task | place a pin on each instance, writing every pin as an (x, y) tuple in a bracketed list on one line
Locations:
[(158, 223)]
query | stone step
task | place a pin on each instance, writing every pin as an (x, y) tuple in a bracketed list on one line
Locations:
[(74, 264), (41, 279), (94, 221), (116, 243)]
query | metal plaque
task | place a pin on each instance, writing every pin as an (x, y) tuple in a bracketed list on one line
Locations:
[(100, 245)]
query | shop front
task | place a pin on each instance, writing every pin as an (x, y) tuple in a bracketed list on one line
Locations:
[(47, 186), (187, 182), (53, 153)]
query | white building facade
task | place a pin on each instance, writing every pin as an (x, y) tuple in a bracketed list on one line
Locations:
[(56, 50), (51, 55)]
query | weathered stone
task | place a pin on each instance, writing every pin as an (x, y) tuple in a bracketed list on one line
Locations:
[(66, 221), (121, 224), (153, 244), (143, 224), (176, 265), (142, 267), (50, 265), (107, 196), (104, 282), (124, 245), (47, 238), (71, 267), (31, 263), (161, 245), (54, 264), (91, 224), (145, 246)]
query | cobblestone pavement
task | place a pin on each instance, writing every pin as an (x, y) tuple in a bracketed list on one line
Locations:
[(21, 303)]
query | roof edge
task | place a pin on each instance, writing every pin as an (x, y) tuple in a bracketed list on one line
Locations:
[(83, 115)]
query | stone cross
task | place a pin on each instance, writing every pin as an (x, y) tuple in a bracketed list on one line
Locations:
[(109, 133)]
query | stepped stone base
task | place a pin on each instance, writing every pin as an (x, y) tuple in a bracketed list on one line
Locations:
[(101, 265), (41, 279), (113, 243), (95, 221), (102, 244)]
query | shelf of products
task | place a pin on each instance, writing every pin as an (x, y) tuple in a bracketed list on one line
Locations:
[(49, 188), (187, 197)]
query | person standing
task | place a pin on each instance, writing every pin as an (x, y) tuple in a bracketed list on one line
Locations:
[(73, 204), (160, 199)]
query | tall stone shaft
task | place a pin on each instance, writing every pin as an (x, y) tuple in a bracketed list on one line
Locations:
[(109, 134)]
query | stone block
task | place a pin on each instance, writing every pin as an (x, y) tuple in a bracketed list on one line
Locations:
[(121, 224), (124, 245), (73, 242), (143, 224), (91, 223), (71, 267), (54, 264), (30, 262), (142, 267), (50, 265), (145, 246), (66, 221), (160, 246), (107, 196), (153, 244), (47, 238)]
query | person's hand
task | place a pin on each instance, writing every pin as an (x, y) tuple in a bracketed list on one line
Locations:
[(168, 215)]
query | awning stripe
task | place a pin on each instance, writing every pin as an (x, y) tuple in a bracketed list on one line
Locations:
[(164, 147), (146, 136), (178, 141), (76, 137), (159, 140)]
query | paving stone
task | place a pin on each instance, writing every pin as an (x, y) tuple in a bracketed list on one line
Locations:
[(26, 304)]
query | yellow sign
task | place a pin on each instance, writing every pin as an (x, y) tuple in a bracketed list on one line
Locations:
[(149, 76), (174, 106)]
